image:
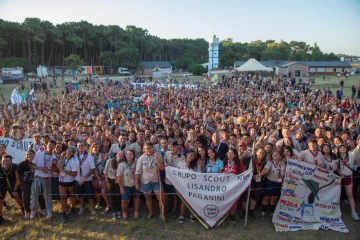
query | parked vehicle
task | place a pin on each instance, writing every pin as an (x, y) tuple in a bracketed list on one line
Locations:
[(123, 71)]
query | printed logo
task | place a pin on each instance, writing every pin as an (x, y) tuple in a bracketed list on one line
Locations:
[(211, 211)]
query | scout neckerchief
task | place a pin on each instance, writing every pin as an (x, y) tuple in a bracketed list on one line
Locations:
[(314, 154), (344, 161), (211, 164), (141, 147), (258, 166), (150, 160), (202, 163), (230, 166), (7, 176), (82, 160), (62, 175), (278, 170), (46, 160)]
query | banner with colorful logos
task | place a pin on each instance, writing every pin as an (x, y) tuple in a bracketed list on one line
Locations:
[(310, 200)]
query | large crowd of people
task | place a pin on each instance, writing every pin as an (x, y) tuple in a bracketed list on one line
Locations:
[(104, 146)]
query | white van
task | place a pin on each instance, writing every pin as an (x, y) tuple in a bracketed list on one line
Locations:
[(123, 71)]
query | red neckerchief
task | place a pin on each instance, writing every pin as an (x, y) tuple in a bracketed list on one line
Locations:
[(258, 165), (278, 168), (230, 167), (314, 154), (344, 160)]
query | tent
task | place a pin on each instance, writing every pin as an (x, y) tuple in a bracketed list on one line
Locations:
[(252, 65)]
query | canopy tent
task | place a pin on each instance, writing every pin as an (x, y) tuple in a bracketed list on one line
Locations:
[(252, 65)]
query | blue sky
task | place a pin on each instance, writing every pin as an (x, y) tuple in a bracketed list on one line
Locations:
[(333, 24)]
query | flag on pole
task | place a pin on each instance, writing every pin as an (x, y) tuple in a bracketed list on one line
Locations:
[(15, 97), (24, 96), (207, 76), (214, 78), (32, 96)]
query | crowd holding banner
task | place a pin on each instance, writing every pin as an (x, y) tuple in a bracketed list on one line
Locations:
[(101, 145)]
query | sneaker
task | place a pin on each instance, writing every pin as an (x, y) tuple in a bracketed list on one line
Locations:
[(263, 214), (252, 215), (106, 211), (93, 211), (63, 218), (192, 218), (33, 214), (98, 206), (125, 216), (119, 215), (114, 216), (149, 216), (346, 201), (181, 219), (43, 212), (81, 211), (71, 213), (174, 214), (355, 216), (136, 216), (27, 215), (232, 218), (49, 215)]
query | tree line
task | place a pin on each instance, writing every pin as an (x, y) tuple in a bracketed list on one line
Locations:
[(39, 42)]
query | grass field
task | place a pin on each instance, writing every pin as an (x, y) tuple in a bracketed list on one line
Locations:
[(103, 227)]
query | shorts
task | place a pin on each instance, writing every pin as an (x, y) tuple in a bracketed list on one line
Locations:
[(347, 180), (169, 188), (66, 184), (150, 187), (254, 194), (4, 189), (86, 189), (129, 192), (272, 189)]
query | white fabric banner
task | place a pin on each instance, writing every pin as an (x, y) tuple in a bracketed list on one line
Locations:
[(16, 149), (310, 200), (209, 196)]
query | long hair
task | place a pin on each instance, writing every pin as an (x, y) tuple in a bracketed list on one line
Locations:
[(30, 150), (237, 161), (114, 163), (193, 164)]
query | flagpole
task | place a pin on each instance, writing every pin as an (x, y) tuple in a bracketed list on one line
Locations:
[(249, 189)]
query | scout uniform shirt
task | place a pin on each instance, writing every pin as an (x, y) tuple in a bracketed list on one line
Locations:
[(315, 158), (172, 161), (137, 148), (86, 163), (127, 172), (276, 171), (41, 159), (147, 169), (108, 170)]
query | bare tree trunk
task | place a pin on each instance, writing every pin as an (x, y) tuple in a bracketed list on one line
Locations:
[(29, 46), (35, 59), (51, 52), (85, 51), (42, 53), (24, 49), (14, 45)]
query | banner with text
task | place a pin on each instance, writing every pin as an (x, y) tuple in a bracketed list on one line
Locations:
[(310, 200), (209, 196), (16, 149)]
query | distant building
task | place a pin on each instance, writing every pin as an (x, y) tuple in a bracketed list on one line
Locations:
[(303, 68), (214, 52), (147, 68)]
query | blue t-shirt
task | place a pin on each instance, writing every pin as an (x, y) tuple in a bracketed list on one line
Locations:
[(214, 167)]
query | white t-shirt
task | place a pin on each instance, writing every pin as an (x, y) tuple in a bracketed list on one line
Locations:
[(85, 165), (41, 159), (70, 165), (172, 161)]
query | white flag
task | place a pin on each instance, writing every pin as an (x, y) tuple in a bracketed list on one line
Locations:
[(32, 96), (15, 97), (209, 196)]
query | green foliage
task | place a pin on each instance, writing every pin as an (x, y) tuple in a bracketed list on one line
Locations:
[(73, 62), (184, 63), (15, 62), (41, 42), (197, 69)]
